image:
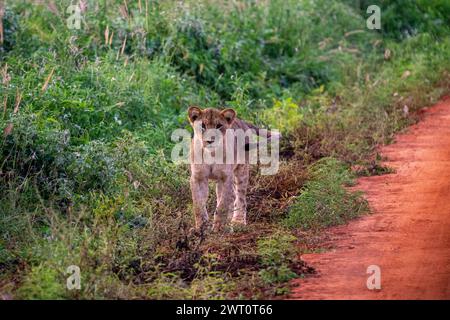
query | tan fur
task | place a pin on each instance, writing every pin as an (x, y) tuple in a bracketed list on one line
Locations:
[(232, 179)]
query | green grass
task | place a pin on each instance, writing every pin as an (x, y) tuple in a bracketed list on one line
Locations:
[(85, 171), (276, 253), (324, 201)]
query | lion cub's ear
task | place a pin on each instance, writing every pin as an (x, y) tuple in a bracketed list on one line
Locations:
[(194, 113), (229, 115)]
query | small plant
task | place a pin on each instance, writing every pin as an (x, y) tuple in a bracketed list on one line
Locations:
[(43, 283), (278, 274), (324, 201), (285, 115), (167, 286), (276, 253)]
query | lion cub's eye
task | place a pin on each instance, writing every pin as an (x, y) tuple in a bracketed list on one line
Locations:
[(203, 127), (219, 126)]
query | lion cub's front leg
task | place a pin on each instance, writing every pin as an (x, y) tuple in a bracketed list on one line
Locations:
[(199, 189), (241, 176), (225, 197)]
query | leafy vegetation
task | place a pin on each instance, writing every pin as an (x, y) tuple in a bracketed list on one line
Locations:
[(323, 200), (87, 115), (276, 252)]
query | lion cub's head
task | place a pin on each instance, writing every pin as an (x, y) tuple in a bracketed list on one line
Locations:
[(208, 123)]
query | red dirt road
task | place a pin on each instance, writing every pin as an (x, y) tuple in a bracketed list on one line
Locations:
[(408, 234)]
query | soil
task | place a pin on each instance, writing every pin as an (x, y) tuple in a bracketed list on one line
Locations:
[(408, 233)]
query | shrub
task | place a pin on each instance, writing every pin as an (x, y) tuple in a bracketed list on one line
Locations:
[(277, 252), (324, 201), (402, 18), (35, 150), (285, 115), (10, 29), (43, 283)]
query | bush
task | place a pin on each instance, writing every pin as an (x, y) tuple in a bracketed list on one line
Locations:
[(43, 283), (10, 29), (277, 252), (402, 18), (284, 115), (324, 201), (38, 151)]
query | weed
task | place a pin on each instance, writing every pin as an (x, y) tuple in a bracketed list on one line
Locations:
[(277, 252), (324, 201)]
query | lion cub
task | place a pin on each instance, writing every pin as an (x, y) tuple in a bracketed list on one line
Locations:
[(232, 178)]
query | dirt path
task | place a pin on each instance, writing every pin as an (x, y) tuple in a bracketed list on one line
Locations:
[(408, 236)]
